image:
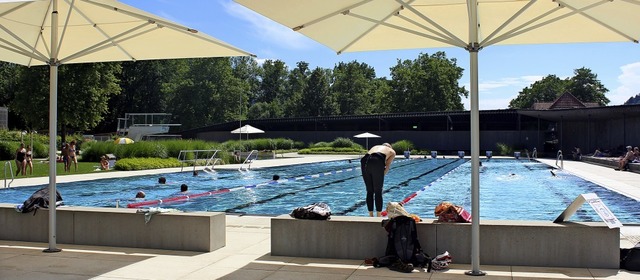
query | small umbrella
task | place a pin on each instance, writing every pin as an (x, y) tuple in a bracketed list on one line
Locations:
[(248, 129), (367, 135), (123, 140)]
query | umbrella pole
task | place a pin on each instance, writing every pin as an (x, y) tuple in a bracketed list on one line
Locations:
[(53, 121)]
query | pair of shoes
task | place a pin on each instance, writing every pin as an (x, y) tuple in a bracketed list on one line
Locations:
[(401, 267)]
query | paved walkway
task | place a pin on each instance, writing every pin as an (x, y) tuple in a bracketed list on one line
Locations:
[(247, 254)]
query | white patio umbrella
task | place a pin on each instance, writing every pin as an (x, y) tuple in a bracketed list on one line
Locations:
[(248, 129), (366, 135), (53, 32), (369, 25)]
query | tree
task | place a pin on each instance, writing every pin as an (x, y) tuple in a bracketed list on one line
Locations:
[(205, 92), (586, 87), (545, 90), (247, 71), (296, 86), (428, 83), (351, 84), (316, 98), (83, 94)]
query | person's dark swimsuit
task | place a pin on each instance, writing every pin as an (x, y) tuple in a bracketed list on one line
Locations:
[(373, 174)]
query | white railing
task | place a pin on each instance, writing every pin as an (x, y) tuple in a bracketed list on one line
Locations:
[(253, 155), (5, 174), (534, 154), (208, 155), (561, 159)]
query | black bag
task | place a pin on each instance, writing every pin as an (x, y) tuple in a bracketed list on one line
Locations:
[(630, 259), (403, 242), (39, 199), (315, 211)]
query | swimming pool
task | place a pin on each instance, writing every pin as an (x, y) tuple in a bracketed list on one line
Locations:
[(509, 190)]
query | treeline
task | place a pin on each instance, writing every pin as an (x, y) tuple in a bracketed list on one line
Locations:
[(200, 92)]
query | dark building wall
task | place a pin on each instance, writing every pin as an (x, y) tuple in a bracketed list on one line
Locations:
[(608, 134)]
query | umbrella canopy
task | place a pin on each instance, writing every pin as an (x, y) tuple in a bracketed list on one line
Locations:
[(366, 135), (357, 25), (123, 140), (248, 129), (53, 32)]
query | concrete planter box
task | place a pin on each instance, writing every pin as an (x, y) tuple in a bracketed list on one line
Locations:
[(513, 243), (120, 227)]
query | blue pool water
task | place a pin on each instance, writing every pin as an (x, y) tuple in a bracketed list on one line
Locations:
[(509, 190)]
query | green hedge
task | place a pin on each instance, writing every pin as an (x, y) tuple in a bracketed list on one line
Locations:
[(128, 164)]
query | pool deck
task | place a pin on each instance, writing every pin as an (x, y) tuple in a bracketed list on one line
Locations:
[(247, 253)]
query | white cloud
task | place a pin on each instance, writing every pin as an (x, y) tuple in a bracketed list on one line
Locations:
[(268, 30), (629, 84)]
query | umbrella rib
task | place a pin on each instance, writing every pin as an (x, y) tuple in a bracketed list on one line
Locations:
[(109, 42), (164, 23), (597, 20), (444, 31), (376, 22), (507, 22), (521, 28), (402, 29), (30, 51), (322, 18)]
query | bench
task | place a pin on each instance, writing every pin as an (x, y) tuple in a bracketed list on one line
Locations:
[(610, 162), (118, 227), (510, 243)]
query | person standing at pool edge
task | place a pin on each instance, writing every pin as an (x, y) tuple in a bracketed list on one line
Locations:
[(375, 165)]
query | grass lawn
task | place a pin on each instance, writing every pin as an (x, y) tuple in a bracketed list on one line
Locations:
[(41, 169)]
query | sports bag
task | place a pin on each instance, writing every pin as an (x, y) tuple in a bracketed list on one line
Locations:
[(315, 211), (403, 242), (39, 199)]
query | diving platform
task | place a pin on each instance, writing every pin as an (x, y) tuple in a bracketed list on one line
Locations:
[(143, 125)]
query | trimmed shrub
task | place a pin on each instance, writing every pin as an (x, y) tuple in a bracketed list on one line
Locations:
[(342, 142), (401, 146), (128, 164), (504, 149)]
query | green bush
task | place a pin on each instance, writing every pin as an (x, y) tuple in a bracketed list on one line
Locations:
[(320, 145), (8, 150), (128, 164), (330, 150), (342, 142), (401, 146)]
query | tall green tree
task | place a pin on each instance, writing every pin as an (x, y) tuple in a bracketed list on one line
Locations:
[(207, 93), (83, 94), (351, 86), (8, 86), (316, 98), (545, 90), (585, 86), (248, 72), (296, 86), (428, 83), (274, 80)]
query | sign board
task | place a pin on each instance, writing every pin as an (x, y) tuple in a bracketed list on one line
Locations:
[(596, 203)]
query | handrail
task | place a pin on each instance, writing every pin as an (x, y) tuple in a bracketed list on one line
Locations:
[(5, 173), (534, 154), (561, 159), (253, 155), (182, 157)]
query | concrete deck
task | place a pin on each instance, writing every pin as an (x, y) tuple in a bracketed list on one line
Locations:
[(247, 254)]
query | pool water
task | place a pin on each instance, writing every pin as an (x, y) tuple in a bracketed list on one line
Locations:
[(509, 190)]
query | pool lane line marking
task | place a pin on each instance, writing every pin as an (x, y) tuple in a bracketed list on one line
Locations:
[(225, 190), (362, 202), (411, 196)]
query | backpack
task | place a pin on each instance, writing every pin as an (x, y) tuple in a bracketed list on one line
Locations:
[(39, 199), (630, 259), (403, 242), (315, 211)]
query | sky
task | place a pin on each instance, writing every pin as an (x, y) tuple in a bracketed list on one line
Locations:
[(503, 70)]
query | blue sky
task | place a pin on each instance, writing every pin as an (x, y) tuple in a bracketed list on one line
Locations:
[(503, 70)]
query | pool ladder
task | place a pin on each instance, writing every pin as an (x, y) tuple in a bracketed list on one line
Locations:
[(253, 155), (5, 174), (561, 159), (534, 154)]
